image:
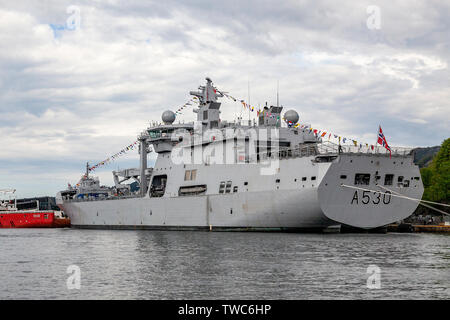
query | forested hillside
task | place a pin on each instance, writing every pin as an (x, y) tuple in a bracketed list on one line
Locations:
[(423, 156), (436, 179)]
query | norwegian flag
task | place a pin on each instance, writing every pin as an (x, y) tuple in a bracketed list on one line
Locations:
[(382, 140)]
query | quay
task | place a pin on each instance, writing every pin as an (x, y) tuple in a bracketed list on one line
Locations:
[(407, 227)]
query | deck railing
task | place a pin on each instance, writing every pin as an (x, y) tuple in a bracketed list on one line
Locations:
[(330, 148), (101, 199)]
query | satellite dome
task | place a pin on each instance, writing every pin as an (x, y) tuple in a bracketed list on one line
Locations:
[(291, 116), (168, 117)]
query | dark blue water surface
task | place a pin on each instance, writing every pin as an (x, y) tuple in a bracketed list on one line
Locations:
[(221, 265)]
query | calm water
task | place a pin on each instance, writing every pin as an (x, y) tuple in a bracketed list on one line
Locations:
[(205, 265)]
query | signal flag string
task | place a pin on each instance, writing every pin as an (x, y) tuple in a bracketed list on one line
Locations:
[(188, 103), (114, 156)]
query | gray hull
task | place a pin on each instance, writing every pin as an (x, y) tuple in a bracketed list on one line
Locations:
[(288, 205), (274, 210)]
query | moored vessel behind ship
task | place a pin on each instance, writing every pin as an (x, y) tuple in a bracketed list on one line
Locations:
[(27, 214)]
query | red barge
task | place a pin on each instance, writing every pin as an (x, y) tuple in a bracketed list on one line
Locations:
[(13, 217)]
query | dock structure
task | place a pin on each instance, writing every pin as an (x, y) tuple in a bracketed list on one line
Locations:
[(432, 228), (419, 228)]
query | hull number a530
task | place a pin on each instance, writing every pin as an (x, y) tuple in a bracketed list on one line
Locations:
[(371, 197)]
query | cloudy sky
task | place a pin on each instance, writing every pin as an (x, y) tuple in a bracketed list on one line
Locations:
[(80, 79)]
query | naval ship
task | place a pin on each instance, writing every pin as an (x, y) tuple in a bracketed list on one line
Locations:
[(264, 175)]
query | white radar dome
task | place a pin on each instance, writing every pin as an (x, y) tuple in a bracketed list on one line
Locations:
[(291, 116), (168, 117)]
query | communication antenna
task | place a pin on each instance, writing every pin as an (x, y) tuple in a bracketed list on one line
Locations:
[(87, 169), (278, 96), (248, 96)]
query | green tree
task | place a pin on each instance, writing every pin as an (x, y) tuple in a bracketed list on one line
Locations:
[(436, 177)]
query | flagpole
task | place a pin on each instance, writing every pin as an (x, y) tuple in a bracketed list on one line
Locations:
[(278, 90), (376, 142), (248, 96)]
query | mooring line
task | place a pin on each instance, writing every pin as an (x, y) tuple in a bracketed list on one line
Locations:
[(423, 204), (396, 195)]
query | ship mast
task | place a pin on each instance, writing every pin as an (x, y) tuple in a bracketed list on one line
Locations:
[(249, 103), (278, 101), (208, 110)]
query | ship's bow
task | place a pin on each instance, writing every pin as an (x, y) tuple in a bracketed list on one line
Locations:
[(367, 190)]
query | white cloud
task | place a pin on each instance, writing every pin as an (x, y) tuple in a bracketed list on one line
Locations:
[(85, 94)]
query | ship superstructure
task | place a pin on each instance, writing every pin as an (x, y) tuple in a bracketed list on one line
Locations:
[(265, 175)]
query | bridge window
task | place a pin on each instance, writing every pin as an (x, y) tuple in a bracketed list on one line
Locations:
[(222, 187), (313, 178), (362, 179), (228, 188), (190, 175), (235, 189), (155, 134), (388, 179), (304, 179)]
